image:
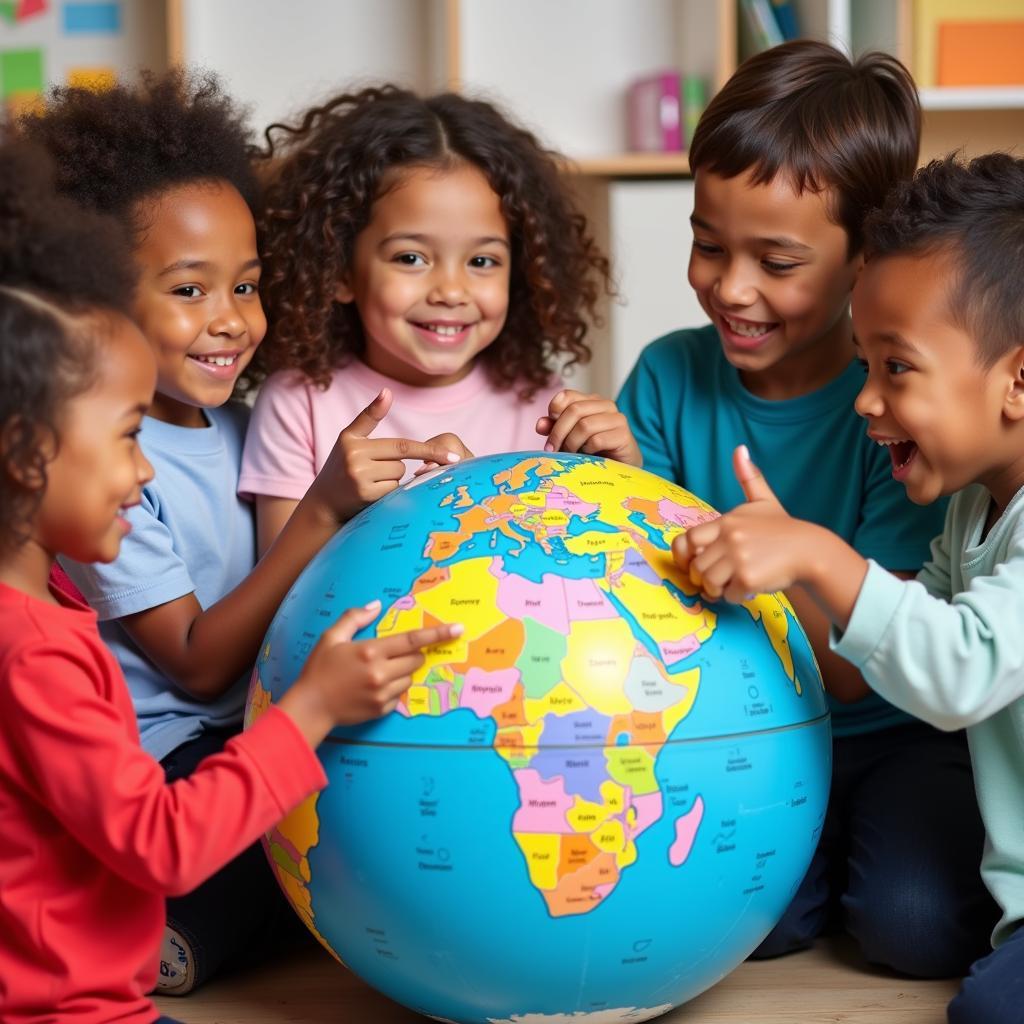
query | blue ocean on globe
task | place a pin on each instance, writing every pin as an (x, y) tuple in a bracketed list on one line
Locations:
[(593, 804)]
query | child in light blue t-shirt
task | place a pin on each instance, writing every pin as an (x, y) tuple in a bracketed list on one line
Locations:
[(787, 160), (940, 327)]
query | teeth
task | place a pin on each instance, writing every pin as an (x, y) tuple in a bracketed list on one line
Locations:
[(217, 360), (445, 330), (890, 443), (748, 330)]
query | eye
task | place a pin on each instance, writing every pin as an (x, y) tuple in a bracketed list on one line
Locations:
[(777, 267), (410, 259), (187, 291), (707, 248), (896, 367), (484, 262), (248, 288)]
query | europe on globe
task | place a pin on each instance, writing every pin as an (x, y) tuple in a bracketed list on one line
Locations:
[(594, 803)]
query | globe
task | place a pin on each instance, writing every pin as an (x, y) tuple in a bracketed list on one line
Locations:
[(590, 806)]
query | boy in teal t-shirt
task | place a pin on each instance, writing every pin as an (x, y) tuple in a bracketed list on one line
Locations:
[(788, 159), (940, 326)]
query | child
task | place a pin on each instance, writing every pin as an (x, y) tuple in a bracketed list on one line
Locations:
[(422, 255), (93, 835), (185, 606), (940, 326), (788, 158)]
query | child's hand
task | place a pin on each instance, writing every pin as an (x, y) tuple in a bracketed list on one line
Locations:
[(588, 423), (757, 548), (453, 443), (362, 469), (345, 682)]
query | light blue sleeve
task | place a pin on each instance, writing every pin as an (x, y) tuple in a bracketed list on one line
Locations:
[(951, 663), (147, 571), (640, 401)]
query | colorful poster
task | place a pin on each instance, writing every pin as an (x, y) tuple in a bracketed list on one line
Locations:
[(92, 18), (92, 78)]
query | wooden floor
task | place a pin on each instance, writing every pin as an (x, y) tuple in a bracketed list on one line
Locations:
[(827, 985)]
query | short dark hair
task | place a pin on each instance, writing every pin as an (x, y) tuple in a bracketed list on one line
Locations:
[(116, 147), (324, 174), (804, 109), (63, 271), (974, 212)]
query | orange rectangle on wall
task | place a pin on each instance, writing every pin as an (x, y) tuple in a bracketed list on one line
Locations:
[(981, 53)]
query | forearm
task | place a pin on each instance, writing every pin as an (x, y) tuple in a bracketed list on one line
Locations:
[(206, 652), (831, 573)]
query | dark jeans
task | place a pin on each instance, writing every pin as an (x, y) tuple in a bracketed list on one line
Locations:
[(239, 916), (993, 993), (898, 863), (166, 1020)]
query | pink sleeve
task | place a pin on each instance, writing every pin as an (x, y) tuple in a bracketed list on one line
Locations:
[(81, 763), (279, 455)]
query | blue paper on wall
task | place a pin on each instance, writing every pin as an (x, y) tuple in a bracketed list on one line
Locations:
[(82, 18)]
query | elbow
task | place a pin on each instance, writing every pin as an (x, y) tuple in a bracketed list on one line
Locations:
[(200, 686)]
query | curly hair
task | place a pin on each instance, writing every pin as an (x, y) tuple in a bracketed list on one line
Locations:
[(806, 110), (114, 148), (61, 269), (974, 213), (322, 176)]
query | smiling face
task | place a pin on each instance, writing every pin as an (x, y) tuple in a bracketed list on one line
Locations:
[(772, 271), (197, 301), (98, 469), (430, 275), (947, 420)]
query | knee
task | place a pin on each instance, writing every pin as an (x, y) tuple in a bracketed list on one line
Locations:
[(906, 928)]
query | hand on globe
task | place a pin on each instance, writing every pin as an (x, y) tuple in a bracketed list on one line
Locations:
[(590, 424), (362, 469), (346, 682)]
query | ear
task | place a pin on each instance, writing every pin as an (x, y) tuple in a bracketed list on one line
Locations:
[(344, 293), (18, 437), (1013, 404)]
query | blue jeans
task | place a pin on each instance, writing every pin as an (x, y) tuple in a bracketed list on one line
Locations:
[(239, 916), (166, 1020), (898, 863), (993, 993)]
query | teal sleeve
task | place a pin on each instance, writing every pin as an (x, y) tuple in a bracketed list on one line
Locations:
[(951, 663), (893, 530), (640, 401)]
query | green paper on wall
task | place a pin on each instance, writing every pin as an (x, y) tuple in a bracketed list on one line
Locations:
[(21, 71), (8, 10)]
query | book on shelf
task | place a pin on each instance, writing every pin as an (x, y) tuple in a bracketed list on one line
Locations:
[(785, 17), (662, 111), (981, 53), (764, 28), (931, 41)]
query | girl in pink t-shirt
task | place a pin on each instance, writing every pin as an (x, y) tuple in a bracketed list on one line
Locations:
[(421, 256)]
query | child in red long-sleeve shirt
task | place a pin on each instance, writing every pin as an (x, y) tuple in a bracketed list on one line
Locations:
[(94, 838)]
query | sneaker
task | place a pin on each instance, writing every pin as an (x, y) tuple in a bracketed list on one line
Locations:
[(177, 973)]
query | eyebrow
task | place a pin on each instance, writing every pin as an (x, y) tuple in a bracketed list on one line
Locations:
[(402, 236), (777, 241), (186, 264)]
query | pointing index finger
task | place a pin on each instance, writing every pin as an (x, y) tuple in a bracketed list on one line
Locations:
[(366, 422)]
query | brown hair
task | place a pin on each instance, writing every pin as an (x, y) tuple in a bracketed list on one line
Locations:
[(806, 110), (323, 176), (974, 212)]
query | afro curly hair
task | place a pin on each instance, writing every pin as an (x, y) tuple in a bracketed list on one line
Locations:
[(323, 176), (63, 271), (114, 148)]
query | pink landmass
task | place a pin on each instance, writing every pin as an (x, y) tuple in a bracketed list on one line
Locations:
[(544, 601), (648, 810), (483, 691), (406, 603), (680, 515), (444, 695), (686, 831), (585, 601), (561, 497), (542, 805), (602, 890), (675, 650)]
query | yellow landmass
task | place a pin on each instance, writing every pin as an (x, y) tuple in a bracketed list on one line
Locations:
[(542, 852), (585, 816), (598, 656), (469, 596), (770, 610), (560, 700), (661, 614)]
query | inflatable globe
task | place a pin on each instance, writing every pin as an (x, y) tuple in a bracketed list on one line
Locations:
[(590, 806)]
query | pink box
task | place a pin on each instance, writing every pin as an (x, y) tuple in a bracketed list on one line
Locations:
[(654, 121)]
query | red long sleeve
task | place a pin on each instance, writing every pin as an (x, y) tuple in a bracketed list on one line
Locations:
[(94, 839)]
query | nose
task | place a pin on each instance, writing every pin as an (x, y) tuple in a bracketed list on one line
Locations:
[(143, 468), (228, 320), (447, 287), (868, 402), (735, 286)]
